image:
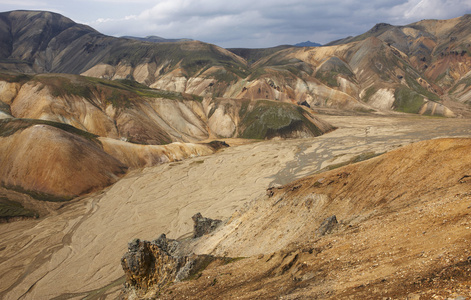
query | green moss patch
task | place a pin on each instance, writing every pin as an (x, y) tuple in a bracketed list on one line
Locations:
[(13, 209), (359, 158), (407, 100), (40, 195), (267, 119), (331, 69), (414, 85), (15, 77), (119, 93), (369, 93), (11, 126)]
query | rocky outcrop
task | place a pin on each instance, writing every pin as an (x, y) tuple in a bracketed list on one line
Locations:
[(149, 266), (327, 226), (203, 225)]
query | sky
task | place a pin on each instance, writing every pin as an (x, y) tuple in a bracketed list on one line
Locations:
[(244, 23)]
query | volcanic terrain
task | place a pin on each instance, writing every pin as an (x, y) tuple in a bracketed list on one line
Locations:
[(337, 172)]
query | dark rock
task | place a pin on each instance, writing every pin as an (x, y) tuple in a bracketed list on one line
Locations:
[(203, 225), (327, 226), (216, 145), (305, 104), (149, 266), (133, 245)]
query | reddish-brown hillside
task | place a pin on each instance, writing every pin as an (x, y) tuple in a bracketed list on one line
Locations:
[(53, 164), (402, 230)]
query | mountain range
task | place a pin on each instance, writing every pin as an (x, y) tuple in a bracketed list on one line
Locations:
[(414, 68)]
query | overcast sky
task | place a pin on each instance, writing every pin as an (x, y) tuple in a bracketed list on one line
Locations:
[(244, 23)]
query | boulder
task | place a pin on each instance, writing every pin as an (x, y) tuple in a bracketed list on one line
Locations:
[(327, 226), (203, 225)]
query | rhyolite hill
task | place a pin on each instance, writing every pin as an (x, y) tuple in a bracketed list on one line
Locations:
[(417, 68)]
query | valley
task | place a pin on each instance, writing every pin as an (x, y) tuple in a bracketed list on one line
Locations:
[(86, 237)]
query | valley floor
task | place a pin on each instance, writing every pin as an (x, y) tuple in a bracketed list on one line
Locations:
[(76, 251)]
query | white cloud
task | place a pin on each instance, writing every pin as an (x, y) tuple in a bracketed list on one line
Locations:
[(415, 10), (248, 23), (23, 3)]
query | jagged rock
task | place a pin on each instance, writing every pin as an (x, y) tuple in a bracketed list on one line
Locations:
[(327, 226), (203, 225), (305, 103), (149, 266), (216, 145)]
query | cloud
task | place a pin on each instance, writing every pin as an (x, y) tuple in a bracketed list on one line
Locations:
[(23, 3), (248, 23)]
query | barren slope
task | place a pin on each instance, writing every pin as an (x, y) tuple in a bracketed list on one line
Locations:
[(404, 230), (51, 163)]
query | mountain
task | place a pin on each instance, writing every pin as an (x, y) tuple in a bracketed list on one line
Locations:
[(156, 39), (307, 44), (71, 121), (437, 49), (415, 69)]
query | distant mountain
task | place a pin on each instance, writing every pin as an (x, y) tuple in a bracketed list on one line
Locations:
[(252, 55), (415, 68), (156, 39), (307, 44)]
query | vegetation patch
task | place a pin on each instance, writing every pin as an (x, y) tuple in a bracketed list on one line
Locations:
[(267, 119), (14, 77), (119, 93), (5, 108), (413, 84), (329, 78), (466, 81), (359, 158), (39, 195), (253, 55), (369, 93), (11, 126), (222, 75), (257, 73), (13, 209), (331, 69), (407, 100), (230, 260), (192, 58), (201, 264)]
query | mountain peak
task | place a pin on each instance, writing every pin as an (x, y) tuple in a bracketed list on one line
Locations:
[(307, 44)]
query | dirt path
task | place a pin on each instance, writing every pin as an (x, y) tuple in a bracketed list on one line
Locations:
[(78, 251)]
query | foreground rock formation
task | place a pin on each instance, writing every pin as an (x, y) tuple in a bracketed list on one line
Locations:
[(150, 266)]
